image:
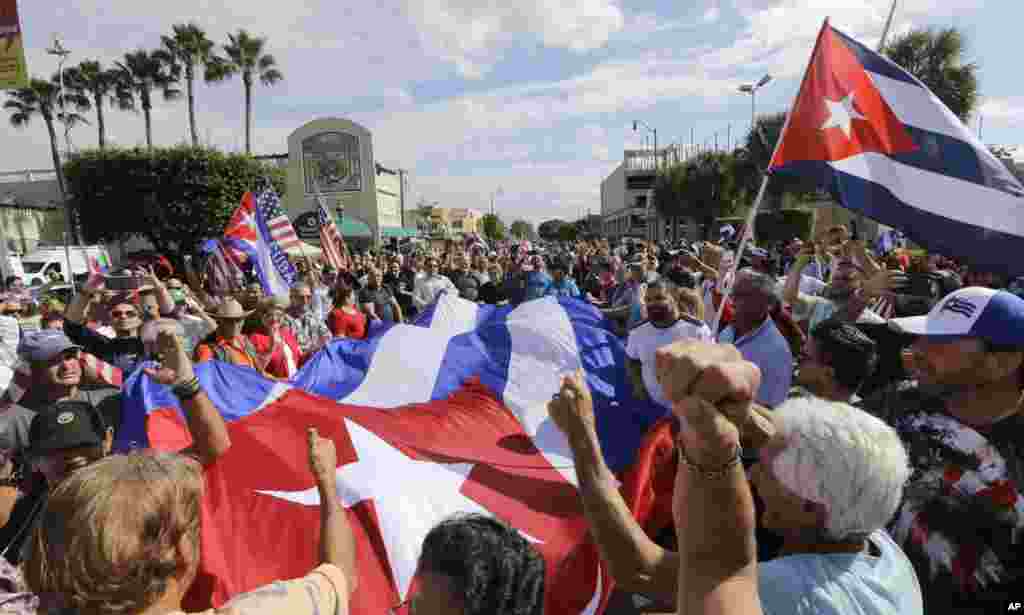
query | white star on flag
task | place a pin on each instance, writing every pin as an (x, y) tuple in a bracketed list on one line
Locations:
[(841, 114), (411, 497)]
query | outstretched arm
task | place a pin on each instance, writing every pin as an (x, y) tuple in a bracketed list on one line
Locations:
[(635, 561)]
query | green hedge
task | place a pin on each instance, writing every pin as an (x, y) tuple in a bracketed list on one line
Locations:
[(781, 225), (784, 225), (173, 197)]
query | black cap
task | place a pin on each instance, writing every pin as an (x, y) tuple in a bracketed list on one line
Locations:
[(65, 425)]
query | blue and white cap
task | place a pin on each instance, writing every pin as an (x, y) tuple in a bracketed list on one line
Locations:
[(992, 315)]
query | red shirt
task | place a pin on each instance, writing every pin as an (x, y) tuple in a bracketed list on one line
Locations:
[(347, 324), (279, 366)]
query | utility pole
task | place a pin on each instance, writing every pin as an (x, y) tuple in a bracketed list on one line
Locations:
[(401, 194)]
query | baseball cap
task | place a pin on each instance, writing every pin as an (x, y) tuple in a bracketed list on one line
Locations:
[(992, 315), (65, 425), (45, 344)]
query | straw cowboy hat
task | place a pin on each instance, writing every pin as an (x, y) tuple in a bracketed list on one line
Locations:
[(231, 310), (278, 302)]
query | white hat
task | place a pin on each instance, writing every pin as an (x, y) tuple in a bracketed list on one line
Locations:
[(992, 315)]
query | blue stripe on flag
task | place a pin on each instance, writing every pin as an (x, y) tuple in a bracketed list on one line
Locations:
[(235, 391), (338, 369), (943, 154), (875, 62), (483, 352), (621, 420), (979, 247)]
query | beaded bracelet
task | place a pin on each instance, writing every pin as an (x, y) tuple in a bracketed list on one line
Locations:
[(188, 389)]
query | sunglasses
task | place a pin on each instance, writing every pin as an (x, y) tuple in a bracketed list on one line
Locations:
[(124, 314)]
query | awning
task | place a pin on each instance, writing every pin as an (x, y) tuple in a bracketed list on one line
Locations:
[(400, 232), (353, 227), (303, 249)]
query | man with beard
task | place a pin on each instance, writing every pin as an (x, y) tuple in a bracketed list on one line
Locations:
[(961, 520), (844, 297), (665, 325)]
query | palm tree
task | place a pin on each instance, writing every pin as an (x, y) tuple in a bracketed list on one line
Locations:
[(141, 73), (90, 80), (934, 57), (188, 48), (42, 98), (245, 55)]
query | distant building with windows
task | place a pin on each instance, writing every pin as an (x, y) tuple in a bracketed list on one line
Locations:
[(626, 197)]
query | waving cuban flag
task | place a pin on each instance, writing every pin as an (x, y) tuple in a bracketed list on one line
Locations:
[(886, 146)]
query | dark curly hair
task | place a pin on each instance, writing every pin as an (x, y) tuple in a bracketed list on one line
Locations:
[(492, 568), (852, 354)]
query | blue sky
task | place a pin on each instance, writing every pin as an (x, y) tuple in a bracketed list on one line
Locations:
[(535, 97)]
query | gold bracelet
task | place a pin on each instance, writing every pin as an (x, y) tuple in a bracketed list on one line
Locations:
[(711, 473)]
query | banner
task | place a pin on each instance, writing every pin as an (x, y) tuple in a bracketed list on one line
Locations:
[(13, 71)]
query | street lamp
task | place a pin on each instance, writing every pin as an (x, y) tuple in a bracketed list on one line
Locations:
[(500, 191), (752, 88), (62, 54), (650, 193)]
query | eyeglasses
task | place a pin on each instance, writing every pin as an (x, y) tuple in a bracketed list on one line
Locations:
[(124, 314)]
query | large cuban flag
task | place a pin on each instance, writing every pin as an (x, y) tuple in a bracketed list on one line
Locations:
[(885, 146), (433, 419)]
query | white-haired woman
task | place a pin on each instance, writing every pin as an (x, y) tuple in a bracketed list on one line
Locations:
[(830, 478)]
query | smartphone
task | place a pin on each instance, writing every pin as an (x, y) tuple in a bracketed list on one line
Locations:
[(123, 282)]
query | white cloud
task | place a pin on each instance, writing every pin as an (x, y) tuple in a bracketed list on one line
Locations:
[(711, 15), (472, 35)]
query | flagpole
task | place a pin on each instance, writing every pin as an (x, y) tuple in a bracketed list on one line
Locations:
[(752, 216), (888, 25), (320, 203), (747, 232)]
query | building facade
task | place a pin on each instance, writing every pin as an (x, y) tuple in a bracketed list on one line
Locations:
[(30, 210), (464, 221), (627, 208)]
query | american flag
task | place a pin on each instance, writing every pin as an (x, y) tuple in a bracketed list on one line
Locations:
[(331, 241), (268, 205)]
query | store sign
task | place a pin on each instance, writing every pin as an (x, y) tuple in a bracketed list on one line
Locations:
[(307, 227), (13, 71)]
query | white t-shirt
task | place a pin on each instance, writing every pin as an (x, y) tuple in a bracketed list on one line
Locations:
[(646, 339)]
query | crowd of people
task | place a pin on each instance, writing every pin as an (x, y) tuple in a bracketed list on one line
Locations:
[(848, 427)]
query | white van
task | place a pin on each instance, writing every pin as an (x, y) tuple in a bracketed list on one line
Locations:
[(10, 263), (39, 264)]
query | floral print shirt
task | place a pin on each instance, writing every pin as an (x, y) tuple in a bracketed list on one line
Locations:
[(961, 522)]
